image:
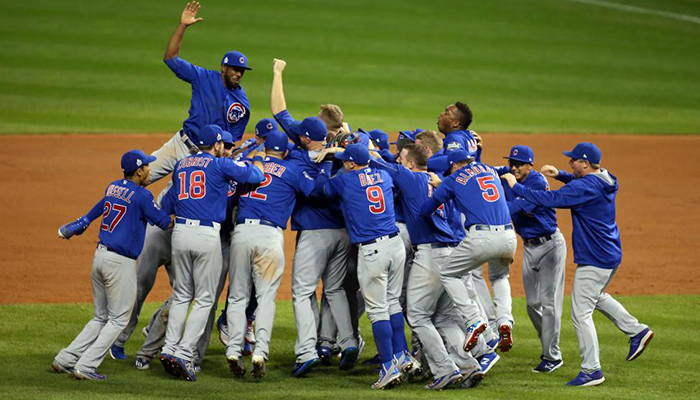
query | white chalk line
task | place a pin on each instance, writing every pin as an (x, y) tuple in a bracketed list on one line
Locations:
[(640, 10)]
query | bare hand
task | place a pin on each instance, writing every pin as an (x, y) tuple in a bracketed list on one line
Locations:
[(510, 178), (326, 151), (550, 171), (278, 66), (189, 14), (435, 181), (479, 140)]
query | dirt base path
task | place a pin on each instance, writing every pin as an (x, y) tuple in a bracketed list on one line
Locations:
[(49, 180)]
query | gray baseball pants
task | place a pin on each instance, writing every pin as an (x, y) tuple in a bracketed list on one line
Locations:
[(197, 266), (544, 267), (380, 268), (257, 256), (157, 326), (320, 255), (494, 245), (587, 295), (168, 155), (114, 292), (408, 247), (485, 299)]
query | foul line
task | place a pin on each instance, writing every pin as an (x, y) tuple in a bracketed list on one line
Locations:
[(640, 10)]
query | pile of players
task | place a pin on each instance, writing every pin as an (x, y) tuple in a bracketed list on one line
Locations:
[(401, 236)]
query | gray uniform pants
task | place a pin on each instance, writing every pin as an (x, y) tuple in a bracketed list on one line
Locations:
[(114, 291), (257, 255), (380, 268), (495, 246), (197, 267), (156, 252), (544, 266), (167, 156), (485, 300), (587, 295), (157, 326), (408, 247), (320, 255)]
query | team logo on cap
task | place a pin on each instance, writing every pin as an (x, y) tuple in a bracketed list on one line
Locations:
[(515, 152), (138, 162), (218, 137), (241, 60), (225, 60), (236, 111), (269, 126)]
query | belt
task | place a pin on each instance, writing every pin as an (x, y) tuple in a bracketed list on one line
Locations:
[(195, 222), (188, 141), (248, 221), (538, 240), (436, 245), (480, 227), (379, 239), (103, 247)]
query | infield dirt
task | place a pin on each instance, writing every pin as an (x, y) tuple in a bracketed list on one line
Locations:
[(48, 180)]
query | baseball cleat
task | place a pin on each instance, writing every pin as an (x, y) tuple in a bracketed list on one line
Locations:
[(547, 366), (184, 369), (301, 369), (407, 364), (259, 367), (236, 365), (247, 349), (473, 379), (584, 379), (493, 344), (326, 355), (89, 376), (388, 377), (168, 364), (472, 335), (144, 331), (444, 381), (360, 345), (142, 363), (223, 329), (60, 368), (250, 332), (638, 343), (196, 367), (372, 361), (349, 358), (487, 361), (506, 338), (117, 352)]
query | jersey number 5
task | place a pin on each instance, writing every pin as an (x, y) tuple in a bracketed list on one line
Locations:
[(108, 207), (376, 197), (197, 185), (489, 190)]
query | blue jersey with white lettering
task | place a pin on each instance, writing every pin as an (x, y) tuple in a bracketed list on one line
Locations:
[(212, 102), (125, 209), (367, 201), (530, 220), (478, 195), (453, 214), (456, 140), (274, 199), (201, 185)]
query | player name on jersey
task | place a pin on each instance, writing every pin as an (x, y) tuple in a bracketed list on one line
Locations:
[(368, 179), (467, 173), (119, 192), (274, 169), (195, 162)]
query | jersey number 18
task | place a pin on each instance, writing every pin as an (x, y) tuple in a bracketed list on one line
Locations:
[(196, 189)]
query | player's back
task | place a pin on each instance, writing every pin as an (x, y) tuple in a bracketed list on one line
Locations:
[(479, 195)]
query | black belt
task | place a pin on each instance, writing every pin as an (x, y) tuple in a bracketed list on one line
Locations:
[(480, 227), (202, 222), (438, 245), (539, 240), (260, 222), (379, 238), (188, 141)]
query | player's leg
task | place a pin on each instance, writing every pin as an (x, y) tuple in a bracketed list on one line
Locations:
[(552, 268), (394, 248), (589, 282), (168, 155), (504, 244), (240, 280), (183, 286), (452, 335), (408, 249), (356, 302), (618, 314), (333, 277), (531, 283), (155, 339), (119, 277), (485, 299)]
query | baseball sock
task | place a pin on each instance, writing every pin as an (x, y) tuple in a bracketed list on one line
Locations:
[(398, 337), (382, 338)]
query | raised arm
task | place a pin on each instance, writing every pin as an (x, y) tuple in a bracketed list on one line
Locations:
[(277, 101), (188, 17)]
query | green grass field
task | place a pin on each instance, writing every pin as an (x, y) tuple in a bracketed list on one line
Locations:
[(524, 66), (31, 335)]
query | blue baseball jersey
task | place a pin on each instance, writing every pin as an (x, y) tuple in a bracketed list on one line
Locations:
[(456, 140), (398, 208), (201, 185), (530, 220), (231, 201), (453, 215), (212, 102), (414, 190), (367, 202), (125, 209), (478, 194), (274, 199), (591, 199)]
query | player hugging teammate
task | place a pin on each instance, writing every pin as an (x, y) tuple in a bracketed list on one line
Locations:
[(402, 236)]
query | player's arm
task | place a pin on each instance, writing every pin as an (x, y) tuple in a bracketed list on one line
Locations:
[(334, 186), (571, 195), (153, 214), (443, 194), (242, 172), (81, 224), (187, 18), (277, 100), (552, 172)]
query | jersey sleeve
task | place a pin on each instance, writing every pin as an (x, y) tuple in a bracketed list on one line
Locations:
[(334, 187), (285, 119), (240, 172), (387, 156), (438, 163), (167, 202), (564, 177), (501, 170), (305, 184), (153, 214), (96, 210), (185, 70), (571, 195), (443, 194)]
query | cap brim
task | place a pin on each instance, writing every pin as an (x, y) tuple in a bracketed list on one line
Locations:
[(569, 154), (343, 156), (149, 159)]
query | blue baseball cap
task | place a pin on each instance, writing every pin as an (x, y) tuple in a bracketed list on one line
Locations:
[(410, 135), (134, 159), (522, 154), (363, 139), (378, 136), (585, 151), (236, 59), (456, 156), (264, 126), (356, 153), (311, 127), (226, 137), (210, 134), (277, 141)]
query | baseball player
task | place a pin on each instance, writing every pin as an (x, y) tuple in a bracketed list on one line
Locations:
[(125, 209), (217, 97), (200, 185), (489, 238), (367, 202), (257, 250), (590, 195), (323, 244), (544, 256)]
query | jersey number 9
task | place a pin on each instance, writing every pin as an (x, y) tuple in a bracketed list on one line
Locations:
[(376, 197)]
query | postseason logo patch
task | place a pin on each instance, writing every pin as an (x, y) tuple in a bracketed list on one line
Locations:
[(236, 111)]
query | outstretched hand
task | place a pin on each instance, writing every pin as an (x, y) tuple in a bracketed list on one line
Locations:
[(549, 171), (434, 180), (278, 66), (479, 140), (510, 178), (189, 14)]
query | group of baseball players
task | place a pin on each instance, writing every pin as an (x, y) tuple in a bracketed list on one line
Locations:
[(399, 235)]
